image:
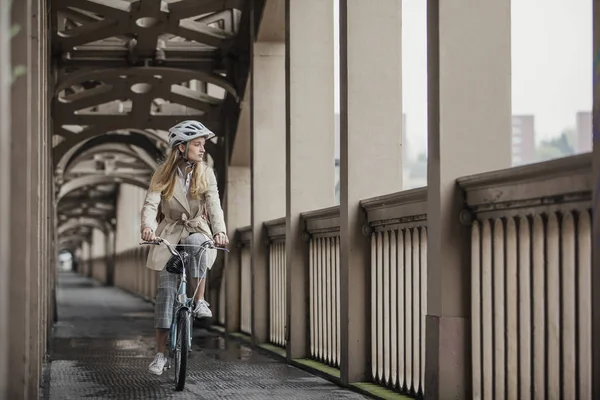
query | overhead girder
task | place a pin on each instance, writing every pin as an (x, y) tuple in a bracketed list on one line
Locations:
[(76, 236), (65, 149), (151, 153), (71, 202), (222, 14), (127, 77), (81, 230), (92, 180), (87, 208), (92, 210), (107, 148), (78, 143), (145, 22), (74, 223), (71, 243), (173, 55), (142, 86)]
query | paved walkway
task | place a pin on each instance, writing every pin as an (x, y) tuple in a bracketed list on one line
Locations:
[(103, 343)]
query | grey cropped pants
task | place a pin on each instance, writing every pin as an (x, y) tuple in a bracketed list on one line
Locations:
[(167, 282)]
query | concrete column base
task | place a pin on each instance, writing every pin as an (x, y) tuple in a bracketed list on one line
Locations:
[(447, 358)]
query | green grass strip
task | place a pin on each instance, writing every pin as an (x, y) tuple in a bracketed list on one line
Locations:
[(379, 391), (242, 336), (274, 349), (319, 367)]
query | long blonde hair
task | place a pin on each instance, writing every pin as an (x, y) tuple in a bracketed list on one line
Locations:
[(165, 177)]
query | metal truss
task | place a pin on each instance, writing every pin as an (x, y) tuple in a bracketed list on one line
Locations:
[(125, 71)]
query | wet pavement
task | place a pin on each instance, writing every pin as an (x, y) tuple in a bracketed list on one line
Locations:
[(104, 341)]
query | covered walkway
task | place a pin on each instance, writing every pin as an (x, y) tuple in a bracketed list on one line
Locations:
[(482, 284), (104, 341)]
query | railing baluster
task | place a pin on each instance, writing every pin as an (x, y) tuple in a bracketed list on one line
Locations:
[(401, 309), (553, 306), (380, 315), (398, 289), (385, 283), (408, 259), (374, 296), (393, 308), (584, 303), (525, 328), (512, 342), (416, 312), (568, 296), (531, 299), (487, 343), (476, 366), (499, 309)]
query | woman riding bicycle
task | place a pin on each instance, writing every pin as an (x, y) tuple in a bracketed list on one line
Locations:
[(184, 189)]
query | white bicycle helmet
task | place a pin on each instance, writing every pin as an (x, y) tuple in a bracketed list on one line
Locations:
[(188, 130)]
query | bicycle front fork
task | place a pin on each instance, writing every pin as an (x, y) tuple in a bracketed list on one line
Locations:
[(173, 332)]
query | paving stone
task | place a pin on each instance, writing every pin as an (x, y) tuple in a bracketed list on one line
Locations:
[(104, 342)]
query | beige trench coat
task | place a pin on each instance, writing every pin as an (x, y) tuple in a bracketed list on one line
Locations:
[(183, 217)]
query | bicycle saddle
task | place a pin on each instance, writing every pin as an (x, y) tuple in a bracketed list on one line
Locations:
[(174, 265)]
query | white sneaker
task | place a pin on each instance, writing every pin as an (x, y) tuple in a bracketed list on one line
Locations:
[(202, 310), (158, 365)]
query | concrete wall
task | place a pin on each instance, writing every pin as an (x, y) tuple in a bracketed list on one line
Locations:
[(27, 249)]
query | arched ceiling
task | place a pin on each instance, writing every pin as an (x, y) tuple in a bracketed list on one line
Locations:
[(127, 70)]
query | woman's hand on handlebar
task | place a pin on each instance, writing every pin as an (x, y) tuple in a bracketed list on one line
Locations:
[(221, 239), (148, 235)]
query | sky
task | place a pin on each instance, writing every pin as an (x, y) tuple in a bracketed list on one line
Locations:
[(551, 64)]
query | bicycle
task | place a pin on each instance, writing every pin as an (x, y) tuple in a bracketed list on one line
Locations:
[(179, 342)]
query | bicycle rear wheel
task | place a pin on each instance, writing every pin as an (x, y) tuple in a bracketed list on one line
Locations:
[(181, 348)]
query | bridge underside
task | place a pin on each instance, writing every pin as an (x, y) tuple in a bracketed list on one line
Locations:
[(124, 71)]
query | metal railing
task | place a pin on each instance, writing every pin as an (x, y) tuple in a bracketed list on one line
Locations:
[(222, 297), (245, 280), (397, 224), (323, 228), (531, 280), (530, 283), (277, 281), (132, 275)]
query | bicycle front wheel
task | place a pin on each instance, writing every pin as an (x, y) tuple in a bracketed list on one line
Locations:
[(181, 349)]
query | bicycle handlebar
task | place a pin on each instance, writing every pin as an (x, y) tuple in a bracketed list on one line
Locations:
[(209, 244)]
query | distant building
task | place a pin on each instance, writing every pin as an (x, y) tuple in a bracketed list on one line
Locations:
[(584, 132), (523, 139)]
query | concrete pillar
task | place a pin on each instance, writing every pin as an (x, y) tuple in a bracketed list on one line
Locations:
[(127, 231), (109, 246), (5, 170), (54, 251), (469, 96), (267, 115), (596, 205), (36, 98), (370, 156), (86, 259), (98, 252), (44, 199), (20, 296), (238, 215), (310, 183)]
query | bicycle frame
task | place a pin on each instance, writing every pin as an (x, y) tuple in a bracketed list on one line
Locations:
[(181, 300)]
